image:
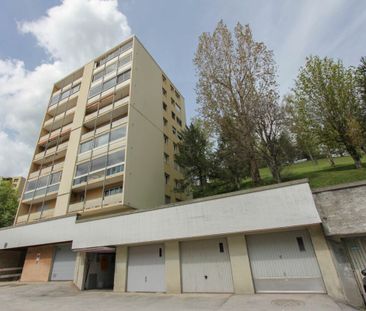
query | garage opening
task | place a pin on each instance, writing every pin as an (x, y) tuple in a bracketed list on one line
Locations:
[(100, 267), (284, 262), (146, 268), (11, 264), (206, 266)]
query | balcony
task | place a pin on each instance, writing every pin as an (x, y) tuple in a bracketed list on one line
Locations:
[(34, 216), (51, 154), (63, 105), (104, 114), (104, 128), (108, 202), (39, 195), (64, 131), (62, 118), (46, 170)]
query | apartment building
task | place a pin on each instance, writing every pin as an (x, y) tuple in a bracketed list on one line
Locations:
[(107, 141), (17, 183), (100, 206)]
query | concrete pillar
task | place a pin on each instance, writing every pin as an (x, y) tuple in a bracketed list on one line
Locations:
[(79, 273), (172, 268), (327, 267), (120, 272), (240, 265)]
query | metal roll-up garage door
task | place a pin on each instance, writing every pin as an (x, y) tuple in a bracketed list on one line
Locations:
[(284, 262), (63, 263), (206, 267), (146, 268)]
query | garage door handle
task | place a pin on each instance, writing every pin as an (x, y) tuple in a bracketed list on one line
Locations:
[(206, 277), (145, 279)]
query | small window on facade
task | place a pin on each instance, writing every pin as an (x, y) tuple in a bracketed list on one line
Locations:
[(174, 130), (167, 176), (164, 78), (171, 88), (179, 121), (160, 252), (300, 243), (166, 158), (164, 106), (221, 247), (177, 94), (164, 91), (172, 101), (165, 121), (166, 139), (173, 115)]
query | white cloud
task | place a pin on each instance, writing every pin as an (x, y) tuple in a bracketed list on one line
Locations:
[(71, 33)]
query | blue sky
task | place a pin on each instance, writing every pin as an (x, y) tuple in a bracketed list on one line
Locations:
[(37, 48)]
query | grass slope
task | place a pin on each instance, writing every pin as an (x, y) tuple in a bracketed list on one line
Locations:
[(319, 175)]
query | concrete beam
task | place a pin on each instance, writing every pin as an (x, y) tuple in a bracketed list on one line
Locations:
[(120, 272), (79, 273)]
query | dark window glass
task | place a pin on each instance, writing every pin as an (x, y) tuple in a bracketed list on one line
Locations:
[(300, 243), (75, 89), (86, 146), (118, 133), (95, 90), (111, 68), (98, 163), (125, 60), (31, 185), (55, 178), (101, 140), (54, 100), (65, 94), (108, 84), (115, 170), (123, 76), (42, 182), (221, 247), (116, 157), (82, 169), (98, 75)]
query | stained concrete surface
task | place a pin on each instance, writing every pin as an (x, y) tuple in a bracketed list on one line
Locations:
[(62, 296)]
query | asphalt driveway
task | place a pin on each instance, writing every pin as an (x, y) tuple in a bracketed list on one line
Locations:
[(59, 296)]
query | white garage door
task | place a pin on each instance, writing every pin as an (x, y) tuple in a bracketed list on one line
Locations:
[(63, 263), (284, 262), (146, 268), (206, 267)]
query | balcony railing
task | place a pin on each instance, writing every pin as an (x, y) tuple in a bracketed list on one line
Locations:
[(108, 201), (55, 134), (51, 151), (64, 117), (46, 170), (45, 191), (103, 128), (34, 216), (106, 109)]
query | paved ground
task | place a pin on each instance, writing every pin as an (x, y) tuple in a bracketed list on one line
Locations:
[(62, 296)]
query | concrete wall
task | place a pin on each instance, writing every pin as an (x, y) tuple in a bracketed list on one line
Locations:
[(144, 171), (38, 264), (342, 208)]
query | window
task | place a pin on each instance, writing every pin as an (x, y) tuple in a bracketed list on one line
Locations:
[(166, 139), (175, 147), (167, 178), (86, 146), (177, 107), (75, 88), (174, 130), (164, 78), (164, 91), (125, 60), (167, 199), (116, 157), (101, 140), (118, 133), (164, 106), (300, 243), (55, 178), (124, 76), (171, 88), (54, 100), (177, 94), (172, 101), (165, 121), (113, 191), (166, 158), (179, 121), (115, 169), (126, 47), (98, 163), (111, 68), (221, 247), (82, 169), (109, 84), (42, 181), (95, 90), (64, 94), (173, 115), (98, 76)]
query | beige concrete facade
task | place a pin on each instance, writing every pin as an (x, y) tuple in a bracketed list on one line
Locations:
[(120, 272), (123, 88), (79, 274), (326, 264)]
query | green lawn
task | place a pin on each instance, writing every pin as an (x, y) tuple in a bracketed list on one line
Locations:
[(319, 175)]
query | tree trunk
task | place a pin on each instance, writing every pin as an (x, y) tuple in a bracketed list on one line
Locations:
[(363, 148), (354, 154), (254, 171), (330, 158), (315, 161), (276, 174)]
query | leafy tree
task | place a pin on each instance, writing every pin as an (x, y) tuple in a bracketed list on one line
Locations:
[(8, 203), (325, 99), (361, 87), (195, 159)]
